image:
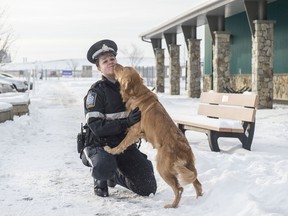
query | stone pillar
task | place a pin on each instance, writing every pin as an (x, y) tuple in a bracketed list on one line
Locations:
[(262, 62), (160, 70), (174, 69), (194, 68), (221, 61)]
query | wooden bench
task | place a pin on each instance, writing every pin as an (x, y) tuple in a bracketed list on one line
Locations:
[(223, 115)]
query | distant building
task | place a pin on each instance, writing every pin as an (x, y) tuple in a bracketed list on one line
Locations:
[(63, 67)]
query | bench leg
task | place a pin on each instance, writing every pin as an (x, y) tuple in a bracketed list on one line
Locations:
[(247, 138), (213, 141), (181, 127)]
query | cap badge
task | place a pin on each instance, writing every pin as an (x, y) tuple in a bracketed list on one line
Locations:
[(105, 48)]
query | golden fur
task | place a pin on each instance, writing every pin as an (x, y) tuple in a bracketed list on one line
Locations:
[(175, 160)]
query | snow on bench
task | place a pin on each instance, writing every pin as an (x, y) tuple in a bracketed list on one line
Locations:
[(223, 115)]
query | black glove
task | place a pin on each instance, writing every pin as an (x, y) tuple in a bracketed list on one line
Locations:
[(133, 117)]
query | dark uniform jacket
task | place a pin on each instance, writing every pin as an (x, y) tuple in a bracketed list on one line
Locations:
[(105, 114)]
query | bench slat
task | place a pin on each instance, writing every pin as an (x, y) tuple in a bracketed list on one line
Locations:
[(205, 128), (247, 100), (227, 112), (204, 124)]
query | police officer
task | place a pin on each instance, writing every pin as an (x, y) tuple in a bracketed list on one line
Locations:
[(107, 123)]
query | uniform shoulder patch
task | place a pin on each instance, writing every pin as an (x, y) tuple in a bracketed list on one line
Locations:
[(91, 100)]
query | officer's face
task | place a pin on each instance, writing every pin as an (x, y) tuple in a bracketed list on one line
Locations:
[(106, 65)]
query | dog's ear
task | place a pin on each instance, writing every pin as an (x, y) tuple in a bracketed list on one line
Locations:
[(127, 85), (136, 82)]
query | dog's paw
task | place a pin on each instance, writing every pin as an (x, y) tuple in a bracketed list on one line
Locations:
[(107, 149), (170, 206)]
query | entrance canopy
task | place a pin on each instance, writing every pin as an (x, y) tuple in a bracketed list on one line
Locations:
[(212, 13)]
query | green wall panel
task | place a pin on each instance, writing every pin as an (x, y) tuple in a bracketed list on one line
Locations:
[(278, 11), (241, 44), (208, 52)]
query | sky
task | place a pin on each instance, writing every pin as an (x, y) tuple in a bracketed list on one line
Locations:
[(41, 172), (63, 29)]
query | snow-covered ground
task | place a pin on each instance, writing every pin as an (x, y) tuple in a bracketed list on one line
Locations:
[(41, 173)]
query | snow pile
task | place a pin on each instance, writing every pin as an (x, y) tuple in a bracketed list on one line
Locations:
[(41, 173)]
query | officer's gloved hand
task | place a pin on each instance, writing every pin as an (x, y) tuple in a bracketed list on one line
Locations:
[(133, 117)]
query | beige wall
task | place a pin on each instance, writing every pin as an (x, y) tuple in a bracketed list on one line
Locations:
[(280, 84)]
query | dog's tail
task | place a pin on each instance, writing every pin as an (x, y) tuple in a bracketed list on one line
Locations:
[(185, 175)]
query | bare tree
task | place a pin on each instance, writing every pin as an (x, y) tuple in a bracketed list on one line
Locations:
[(73, 64), (6, 39), (134, 53)]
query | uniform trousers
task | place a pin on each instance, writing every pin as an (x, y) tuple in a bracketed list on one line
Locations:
[(130, 169)]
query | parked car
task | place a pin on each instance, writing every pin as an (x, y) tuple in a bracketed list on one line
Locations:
[(6, 86), (14, 77), (19, 85)]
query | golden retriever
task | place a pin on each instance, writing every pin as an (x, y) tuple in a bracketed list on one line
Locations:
[(175, 159)]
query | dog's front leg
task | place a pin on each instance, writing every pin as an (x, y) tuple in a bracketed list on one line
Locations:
[(131, 137)]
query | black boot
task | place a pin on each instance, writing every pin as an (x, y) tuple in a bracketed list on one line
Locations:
[(101, 188), (111, 182)]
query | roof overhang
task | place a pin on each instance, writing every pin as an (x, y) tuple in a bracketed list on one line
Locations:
[(197, 16)]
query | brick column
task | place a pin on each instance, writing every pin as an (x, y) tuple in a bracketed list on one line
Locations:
[(194, 68), (262, 62), (160, 70), (174, 69), (221, 61)]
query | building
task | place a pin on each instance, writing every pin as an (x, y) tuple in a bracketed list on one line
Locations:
[(246, 47)]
